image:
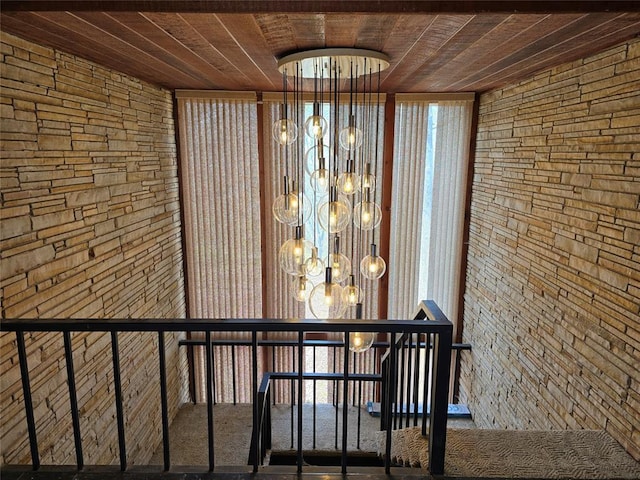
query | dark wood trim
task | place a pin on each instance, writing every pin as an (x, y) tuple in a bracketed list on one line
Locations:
[(387, 182), (183, 238), (264, 216), (458, 323), (264, 211), (326, 6)]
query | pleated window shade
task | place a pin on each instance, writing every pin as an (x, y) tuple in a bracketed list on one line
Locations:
[(431, 153)]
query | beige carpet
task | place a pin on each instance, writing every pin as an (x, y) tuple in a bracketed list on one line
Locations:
[(232, 432), (581, 454)]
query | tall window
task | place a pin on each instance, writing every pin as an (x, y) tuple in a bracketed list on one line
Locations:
[(429, 177), (221, 188), (223, 227)]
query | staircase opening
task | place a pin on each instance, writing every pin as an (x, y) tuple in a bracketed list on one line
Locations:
[(326, 458)]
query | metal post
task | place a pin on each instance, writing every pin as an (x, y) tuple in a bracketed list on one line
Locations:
[(164, 402), (390, 393), (439, 401), (257, 403), (73, 399), (209, 352), (28, 403), (300, 400), (115, 353)]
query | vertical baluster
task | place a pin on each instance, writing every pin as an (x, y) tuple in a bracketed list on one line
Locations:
[(73, 399), (293, 369), (335, 400), (416, 380), (390, 398), (345, 402), (117, 383), (164, 401), (359, 405), (439, 401), (257, 402), (273, 369), (400, 390), (28, 403), (409, 377), (315, 413), (210, 399), (428, 378), (300, 400), (233, 372)]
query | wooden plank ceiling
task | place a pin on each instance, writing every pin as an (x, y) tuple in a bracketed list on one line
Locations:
[(433, 46)]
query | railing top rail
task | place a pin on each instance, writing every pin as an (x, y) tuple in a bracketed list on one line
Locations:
[(223, 325)]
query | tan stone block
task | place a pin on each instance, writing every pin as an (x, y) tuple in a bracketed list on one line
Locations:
[(58, 266), (111, 178), (87, 197), (14, 227), (26, 261)]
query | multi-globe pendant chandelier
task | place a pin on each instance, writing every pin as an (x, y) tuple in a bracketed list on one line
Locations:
[(330, 149)]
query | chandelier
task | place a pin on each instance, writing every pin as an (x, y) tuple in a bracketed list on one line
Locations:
[(330, 148)]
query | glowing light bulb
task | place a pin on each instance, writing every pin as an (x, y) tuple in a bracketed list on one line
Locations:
[(292, 255), (313, 264), (325, 301), (372, 266), (320, 180), (360, 341), (284, 131), (350, 138), (335, 216), (367, 215), (300, 288), (315, 126), (347, 183)]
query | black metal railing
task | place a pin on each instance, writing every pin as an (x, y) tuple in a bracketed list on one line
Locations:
[(436, 327)]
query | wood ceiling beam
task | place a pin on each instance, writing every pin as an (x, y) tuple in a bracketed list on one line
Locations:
[(325, 6)]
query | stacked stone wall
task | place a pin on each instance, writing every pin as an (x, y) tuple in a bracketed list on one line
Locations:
[(552, 302), (90, 229)]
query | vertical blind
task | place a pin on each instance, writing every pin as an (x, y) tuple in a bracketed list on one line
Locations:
[(224, 251), (428, 216), (221, 189)]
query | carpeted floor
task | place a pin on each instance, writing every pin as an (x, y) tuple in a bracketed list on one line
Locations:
[(232, 432), (471, 452), (577, 454)]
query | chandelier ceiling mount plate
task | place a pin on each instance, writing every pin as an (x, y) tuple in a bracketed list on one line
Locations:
[(320, 62)]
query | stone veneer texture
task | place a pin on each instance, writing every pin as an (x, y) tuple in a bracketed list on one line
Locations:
[(90, 229), (552, 302)]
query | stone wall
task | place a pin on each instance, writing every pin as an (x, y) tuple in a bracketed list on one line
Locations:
[(552, 303), (90, 229)]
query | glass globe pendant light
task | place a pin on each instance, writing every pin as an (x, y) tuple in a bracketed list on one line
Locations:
[(360, 341), (314, 265), (366, 180), (286, 207), (339, 263), (316, 154), (351, 136), (293, 254), (300, 288), (348, 181), (367, 214), (372, 266), (320, 178), (351, 294), (315, 126), (334, 215), (284, 130), (326, 299)]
